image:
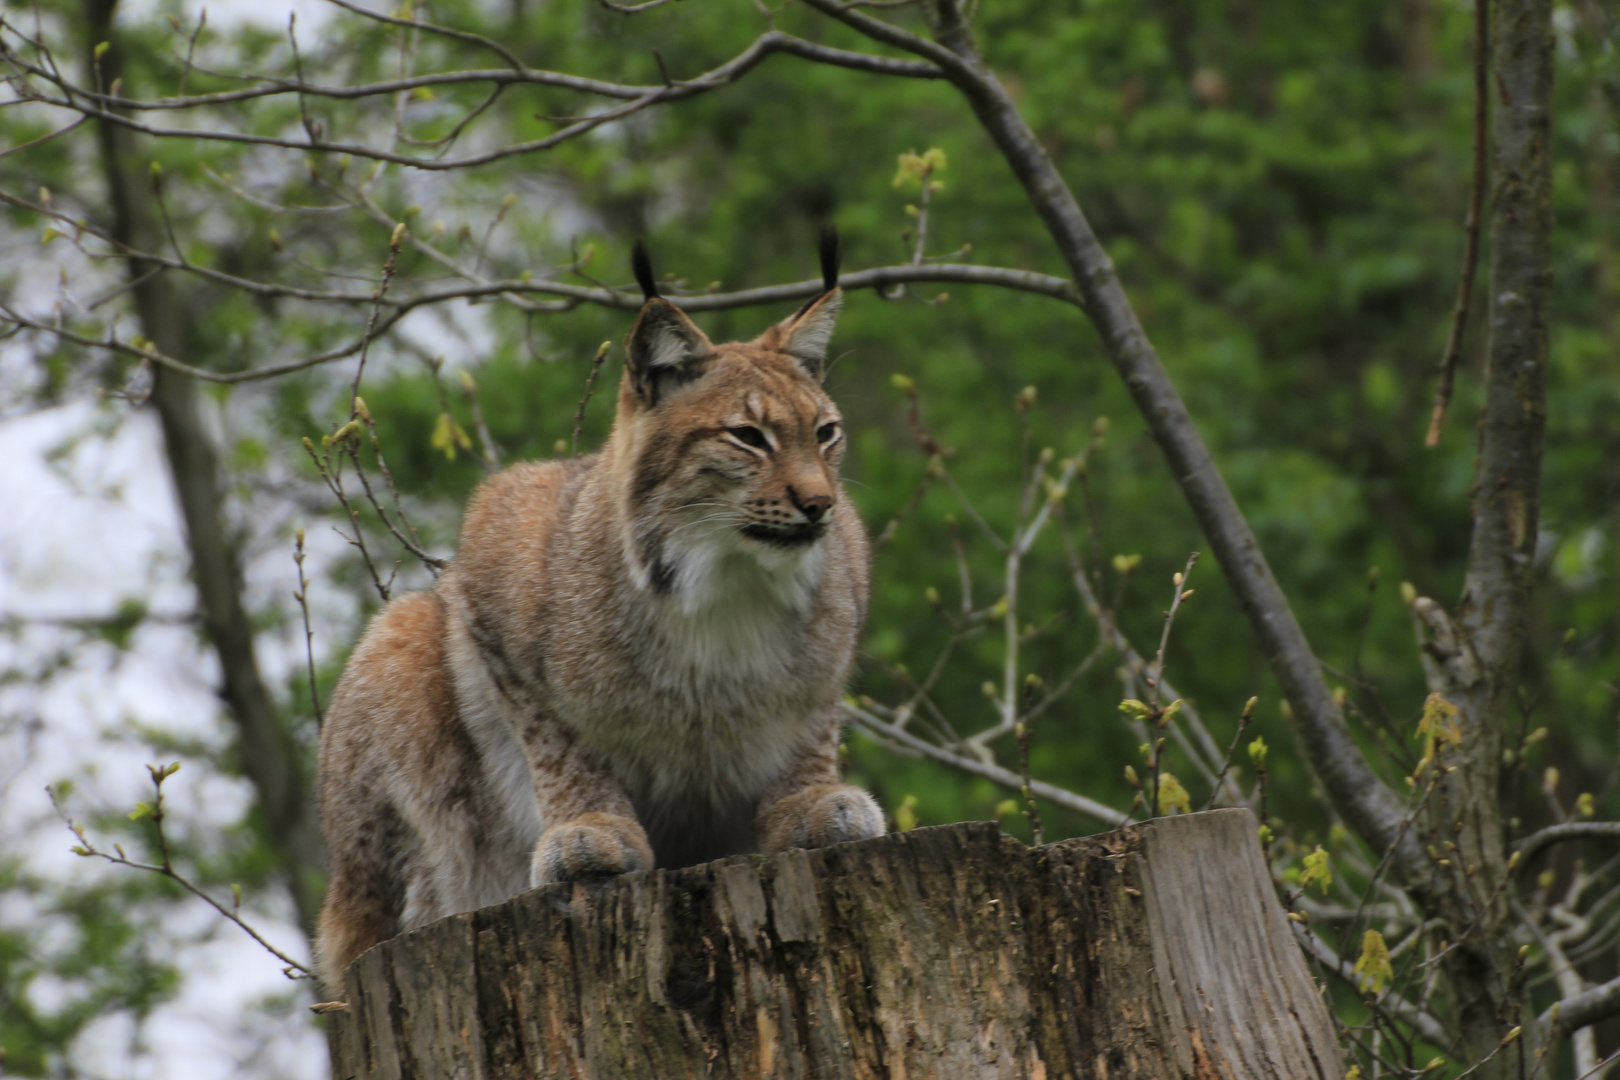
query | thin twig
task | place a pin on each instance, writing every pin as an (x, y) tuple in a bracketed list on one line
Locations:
[(492, 456), (330, 469), (1471, 227), (165, 867), (1226, 763), (1025, 730), (590, 384), (1006, 778), (301, 594), (371, 321)]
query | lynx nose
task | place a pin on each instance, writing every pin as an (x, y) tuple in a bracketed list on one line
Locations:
[(812, 507)]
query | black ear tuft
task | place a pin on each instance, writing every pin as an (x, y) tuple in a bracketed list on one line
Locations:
[(642, 265), (831, 256)]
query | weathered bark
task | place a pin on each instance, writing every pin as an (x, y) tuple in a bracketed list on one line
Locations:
[(268, 753), (1157, 951)]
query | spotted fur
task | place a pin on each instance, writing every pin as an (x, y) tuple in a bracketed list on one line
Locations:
[(635, 658)]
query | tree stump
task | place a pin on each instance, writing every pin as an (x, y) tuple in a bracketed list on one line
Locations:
[(1158, 951)]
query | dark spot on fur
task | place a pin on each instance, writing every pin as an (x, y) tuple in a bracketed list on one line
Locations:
[(650, 547)]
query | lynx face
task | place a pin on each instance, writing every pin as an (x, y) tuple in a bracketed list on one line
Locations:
[(733, 449)]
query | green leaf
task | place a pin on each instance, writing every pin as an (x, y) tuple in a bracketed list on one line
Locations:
[(1373, 970), (1317, 870), (1173, 798)]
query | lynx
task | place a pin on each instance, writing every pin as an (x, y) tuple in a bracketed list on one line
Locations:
[(634, 660)]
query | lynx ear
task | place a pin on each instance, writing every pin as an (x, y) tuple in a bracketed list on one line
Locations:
[(666, 350), (806, 333)]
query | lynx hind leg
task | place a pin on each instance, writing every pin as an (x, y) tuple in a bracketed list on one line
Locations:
[(592, 845), (819, 816), (387, 717)]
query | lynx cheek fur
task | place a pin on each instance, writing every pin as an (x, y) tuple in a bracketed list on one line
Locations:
[(635, 658)]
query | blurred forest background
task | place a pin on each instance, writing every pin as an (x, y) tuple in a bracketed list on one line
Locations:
[(1282, 187)]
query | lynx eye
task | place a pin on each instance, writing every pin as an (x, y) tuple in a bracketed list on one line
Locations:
[(750, 436), (825, 432)]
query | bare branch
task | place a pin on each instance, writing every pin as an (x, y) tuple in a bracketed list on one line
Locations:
[(1582, 1010), (1022, 280), (1532, 845), (1008, 779), (112, 110)]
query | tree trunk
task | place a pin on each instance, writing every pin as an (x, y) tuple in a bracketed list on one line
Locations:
[(1472, 658), (1158, 951), (269, 755)]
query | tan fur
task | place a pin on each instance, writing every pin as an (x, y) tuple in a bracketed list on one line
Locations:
[(635, 658)]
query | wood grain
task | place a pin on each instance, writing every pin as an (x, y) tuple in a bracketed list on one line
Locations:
[(1157, 951)]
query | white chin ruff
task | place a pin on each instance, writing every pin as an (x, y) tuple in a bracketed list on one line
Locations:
[(726, 568)]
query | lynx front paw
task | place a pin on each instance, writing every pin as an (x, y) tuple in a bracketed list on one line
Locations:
[(590, 846), (819, 816)]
